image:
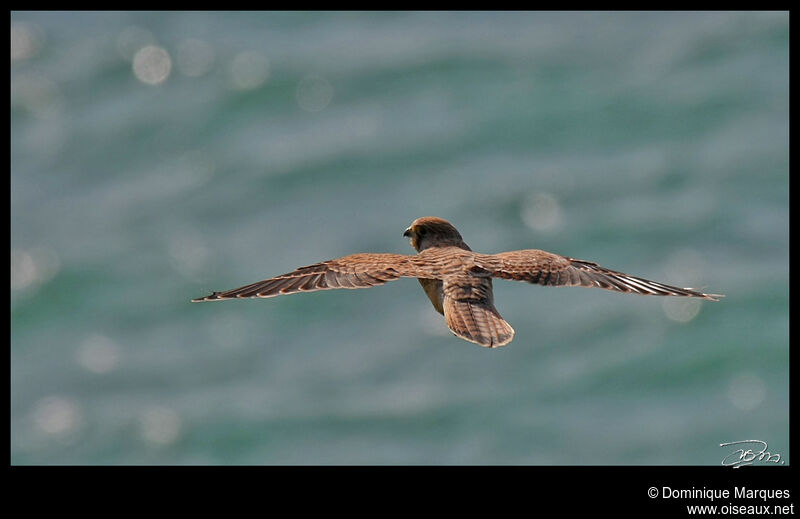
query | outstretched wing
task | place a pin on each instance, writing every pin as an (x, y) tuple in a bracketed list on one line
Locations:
[(354, 271), (545, 268)]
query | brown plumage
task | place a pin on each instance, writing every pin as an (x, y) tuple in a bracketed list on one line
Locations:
[(456, 280)]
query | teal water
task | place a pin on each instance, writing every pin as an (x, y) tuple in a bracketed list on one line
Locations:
[(156, 157)]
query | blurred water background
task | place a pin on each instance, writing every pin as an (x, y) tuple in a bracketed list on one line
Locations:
[(156, 157)]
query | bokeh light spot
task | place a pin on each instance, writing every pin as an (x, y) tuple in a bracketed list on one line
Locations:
[(57, 415), (26, 40), (98, 354), (746, 391), (159, 425), (249, 70), (542, 212), (681, 309), (31, 268), (152, 65)]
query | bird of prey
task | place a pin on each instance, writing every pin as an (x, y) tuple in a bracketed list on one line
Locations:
[(457, 280)]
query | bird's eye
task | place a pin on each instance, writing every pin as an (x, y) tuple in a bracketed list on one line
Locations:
[(422, 231)]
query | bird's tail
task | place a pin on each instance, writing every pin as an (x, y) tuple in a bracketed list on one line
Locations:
[(477, 321)]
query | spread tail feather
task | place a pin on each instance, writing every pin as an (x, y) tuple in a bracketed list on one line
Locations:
[(478, 322)]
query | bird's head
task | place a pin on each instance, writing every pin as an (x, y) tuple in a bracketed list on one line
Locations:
[(430, 231)]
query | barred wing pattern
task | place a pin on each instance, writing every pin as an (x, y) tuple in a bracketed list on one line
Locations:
[(545, 268), (457, 281), (353, 271)]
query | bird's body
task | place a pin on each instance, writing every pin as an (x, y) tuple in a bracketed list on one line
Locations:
[(433, 289), (456, 280)]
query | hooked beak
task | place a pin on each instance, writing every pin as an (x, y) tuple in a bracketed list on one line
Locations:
[(407, 232)]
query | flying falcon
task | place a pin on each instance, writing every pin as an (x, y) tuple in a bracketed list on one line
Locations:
[(457, 280)]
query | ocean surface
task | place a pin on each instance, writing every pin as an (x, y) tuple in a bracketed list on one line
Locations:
[(156, 157)]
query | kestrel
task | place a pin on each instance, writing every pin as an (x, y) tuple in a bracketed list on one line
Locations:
[(456, 280)]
